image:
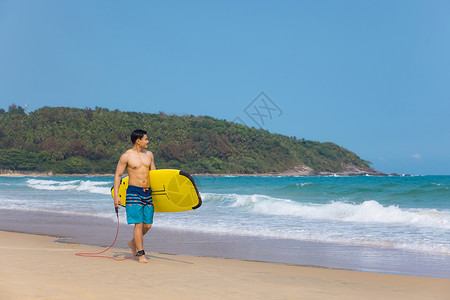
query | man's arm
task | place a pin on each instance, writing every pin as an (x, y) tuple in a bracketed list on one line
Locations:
[(120, 169), (152, 164)]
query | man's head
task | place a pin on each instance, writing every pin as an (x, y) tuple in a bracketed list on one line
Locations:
[(138, 134)]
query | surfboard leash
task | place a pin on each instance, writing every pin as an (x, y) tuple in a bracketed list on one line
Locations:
[(115, 239)]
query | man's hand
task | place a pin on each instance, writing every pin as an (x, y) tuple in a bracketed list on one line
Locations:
[(116, 201)]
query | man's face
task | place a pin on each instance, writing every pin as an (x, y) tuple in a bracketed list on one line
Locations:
[(143, 141)]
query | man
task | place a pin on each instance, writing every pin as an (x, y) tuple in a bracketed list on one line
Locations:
[(139, 206)]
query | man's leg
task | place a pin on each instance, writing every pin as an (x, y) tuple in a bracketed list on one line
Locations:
[(132, 243), (137, 243), (146, 228), (138, 237)]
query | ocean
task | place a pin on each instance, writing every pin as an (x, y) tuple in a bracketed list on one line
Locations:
[(408, 214)]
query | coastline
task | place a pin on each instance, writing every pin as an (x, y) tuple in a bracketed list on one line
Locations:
[(35, 267), (11, 173), (300, 171)]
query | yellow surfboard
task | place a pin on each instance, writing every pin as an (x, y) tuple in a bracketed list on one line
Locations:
[(172, 190)]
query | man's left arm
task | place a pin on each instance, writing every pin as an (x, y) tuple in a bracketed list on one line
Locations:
[(152, 164)]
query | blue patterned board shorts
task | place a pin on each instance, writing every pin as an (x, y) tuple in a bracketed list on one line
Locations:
[(139, 205)]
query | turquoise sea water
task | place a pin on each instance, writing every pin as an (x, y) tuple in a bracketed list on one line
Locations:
[(408, 213)]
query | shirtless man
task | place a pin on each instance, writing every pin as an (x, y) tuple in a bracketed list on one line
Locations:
[(139, 206)]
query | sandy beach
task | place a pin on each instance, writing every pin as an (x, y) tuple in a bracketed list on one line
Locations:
[(36, 267)]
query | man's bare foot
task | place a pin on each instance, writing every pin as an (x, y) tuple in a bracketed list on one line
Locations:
[(142, 259), (141, 255), (132, 245)]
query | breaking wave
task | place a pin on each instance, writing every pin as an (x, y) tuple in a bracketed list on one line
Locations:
[(369, 211)]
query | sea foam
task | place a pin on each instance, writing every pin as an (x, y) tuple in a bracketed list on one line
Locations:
[(95, 187), (369, 211)]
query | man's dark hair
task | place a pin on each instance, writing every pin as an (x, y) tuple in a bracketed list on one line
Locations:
[(137, 135)]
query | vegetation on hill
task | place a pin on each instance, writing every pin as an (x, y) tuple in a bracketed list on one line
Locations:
[(70, 140)]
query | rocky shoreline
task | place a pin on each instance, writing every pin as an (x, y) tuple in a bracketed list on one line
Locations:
[(302, 170)]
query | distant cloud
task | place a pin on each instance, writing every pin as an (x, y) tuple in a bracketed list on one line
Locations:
[(416, 156)]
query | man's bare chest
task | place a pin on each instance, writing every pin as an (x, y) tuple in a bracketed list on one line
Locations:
[(138, 161)]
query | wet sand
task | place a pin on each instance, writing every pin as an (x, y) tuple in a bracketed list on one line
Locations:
[(101, 232), (35, 267)]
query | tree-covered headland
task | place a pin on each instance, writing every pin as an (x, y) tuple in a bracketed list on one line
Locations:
[(69, 140)]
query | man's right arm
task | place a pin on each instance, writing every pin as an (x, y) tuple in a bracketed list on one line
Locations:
[(120, 169)]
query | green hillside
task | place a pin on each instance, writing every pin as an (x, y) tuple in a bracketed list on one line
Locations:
[(70, 140)]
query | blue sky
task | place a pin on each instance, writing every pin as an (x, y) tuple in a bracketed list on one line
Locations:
[(371, 76)]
